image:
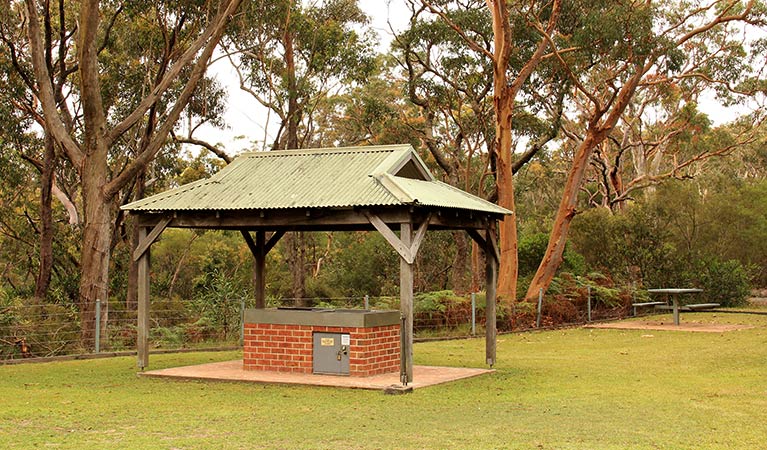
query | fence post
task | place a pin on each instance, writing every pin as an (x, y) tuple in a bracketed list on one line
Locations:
[(367, 301), (540, 306), (473, 313), (242, 322), (588, 300), (98, 325)]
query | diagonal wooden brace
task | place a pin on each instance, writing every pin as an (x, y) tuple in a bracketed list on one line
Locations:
[(262, 248), (489, 245), (407, 252), (144, 244)]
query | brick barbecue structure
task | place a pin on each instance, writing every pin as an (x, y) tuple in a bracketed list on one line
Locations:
[(284, 340)]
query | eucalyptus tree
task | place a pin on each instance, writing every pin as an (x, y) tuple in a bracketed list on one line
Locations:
[(513, 61), (290, 56), (99, 75), (676, 141), (372, 113), (629, 45)]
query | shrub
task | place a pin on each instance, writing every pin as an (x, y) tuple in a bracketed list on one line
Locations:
[(440, 309), (46, 329), (218, 300), (725, 282)]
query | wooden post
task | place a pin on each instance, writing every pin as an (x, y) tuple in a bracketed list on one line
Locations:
[(260, 248), (142, 344), (491, 280), (406, 303), (260, 257)]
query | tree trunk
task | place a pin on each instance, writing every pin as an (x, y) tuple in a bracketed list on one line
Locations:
[(508, 269), (97, 236), (476, 256), (552, 259), (460, 276), (95, 264), (46, 218), (290, 67), (504, 94), (296, 257), (295, 241), (596, 133)]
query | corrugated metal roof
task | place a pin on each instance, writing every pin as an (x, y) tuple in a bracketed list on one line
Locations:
[(314, 178)]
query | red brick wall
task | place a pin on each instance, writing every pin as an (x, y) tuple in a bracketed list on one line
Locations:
[(288, 348)]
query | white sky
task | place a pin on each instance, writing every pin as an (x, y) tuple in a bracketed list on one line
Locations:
[(247, 119), (250, 125)]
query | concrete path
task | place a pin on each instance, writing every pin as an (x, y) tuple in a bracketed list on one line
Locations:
[(232, 371)]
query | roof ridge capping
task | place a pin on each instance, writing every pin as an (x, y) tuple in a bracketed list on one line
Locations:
[(328, 150), (389, 183)]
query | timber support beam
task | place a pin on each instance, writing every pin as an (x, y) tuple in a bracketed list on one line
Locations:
[(142, 334), (260, 248), (489, 244), (406, 245)]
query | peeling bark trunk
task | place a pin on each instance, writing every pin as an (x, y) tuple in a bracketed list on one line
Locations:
[(96, 249), (508, 269), (552, 259), (596, 133), (504, 94)]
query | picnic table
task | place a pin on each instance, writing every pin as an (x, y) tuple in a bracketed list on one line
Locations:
[(674, 294)]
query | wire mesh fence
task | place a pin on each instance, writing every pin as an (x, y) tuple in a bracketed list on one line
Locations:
[(45, 330)]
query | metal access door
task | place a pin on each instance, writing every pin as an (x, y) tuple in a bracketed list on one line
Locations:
[(330, 353)]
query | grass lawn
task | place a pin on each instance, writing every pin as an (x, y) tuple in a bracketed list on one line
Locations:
[(576, 388)]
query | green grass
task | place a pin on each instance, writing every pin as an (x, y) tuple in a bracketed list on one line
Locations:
[(577, 388)]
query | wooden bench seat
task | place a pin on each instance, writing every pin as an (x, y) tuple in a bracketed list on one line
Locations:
[(688, 308), (648, 304), (698, 306), (641, 304)]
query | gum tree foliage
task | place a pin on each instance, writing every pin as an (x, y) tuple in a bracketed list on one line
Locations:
[(107, 81), (291, 55), (682, 238), (629, 46)]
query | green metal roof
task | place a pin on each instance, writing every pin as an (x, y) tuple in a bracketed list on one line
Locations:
[(386, 175)]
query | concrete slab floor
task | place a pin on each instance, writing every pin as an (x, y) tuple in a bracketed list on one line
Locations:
[(423, 376)]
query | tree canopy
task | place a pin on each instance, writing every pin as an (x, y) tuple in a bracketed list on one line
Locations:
[(600, 123)]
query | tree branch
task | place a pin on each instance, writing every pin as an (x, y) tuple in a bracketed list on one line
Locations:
[(216, 27), (211, 148), (471, 42), (198, 71), (53, 121)]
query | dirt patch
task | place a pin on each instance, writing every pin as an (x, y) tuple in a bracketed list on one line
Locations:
[(669, 326)]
